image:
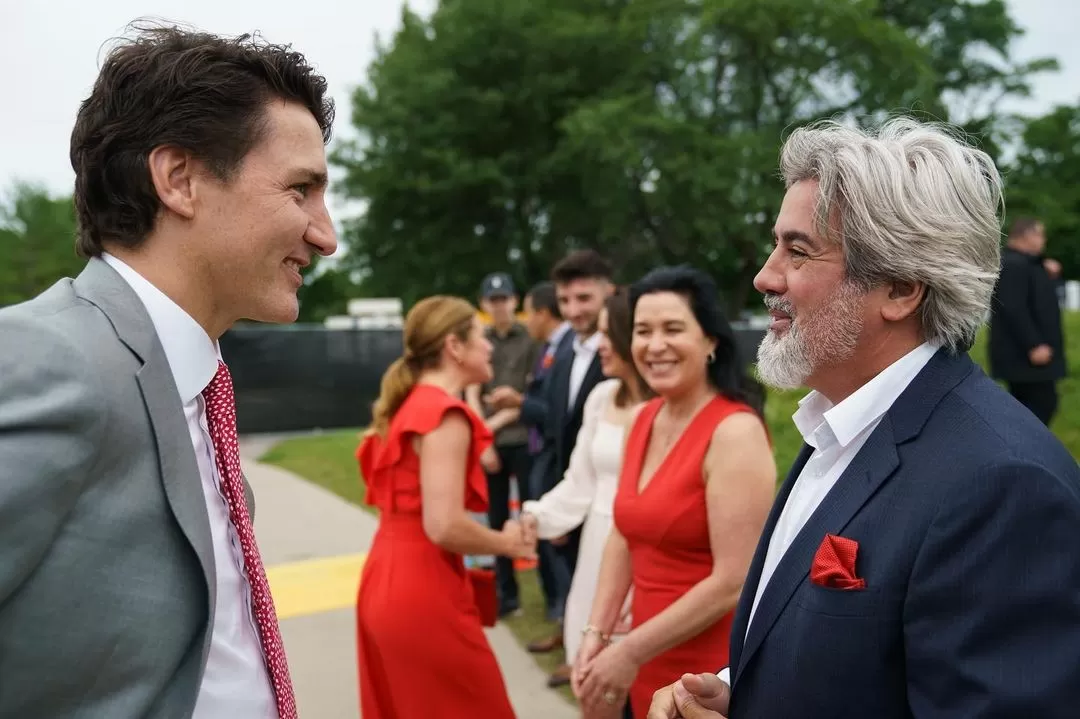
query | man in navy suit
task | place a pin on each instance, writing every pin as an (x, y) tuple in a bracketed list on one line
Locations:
[(583, 281), (923, 557)]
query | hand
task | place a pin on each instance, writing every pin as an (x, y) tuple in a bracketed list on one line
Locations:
[(611, 672), (517, 546), (503, 398), (695, 696), (490, 460), (530, 527), (502, 418), (1041, 355), (1053, 267), (590, 647)]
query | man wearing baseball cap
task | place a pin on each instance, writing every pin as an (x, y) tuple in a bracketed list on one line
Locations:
[(514, 352)]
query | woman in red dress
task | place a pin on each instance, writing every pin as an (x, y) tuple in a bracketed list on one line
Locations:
[(421, 645), (696, 485)]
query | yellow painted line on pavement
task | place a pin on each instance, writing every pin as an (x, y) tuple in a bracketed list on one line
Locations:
[(315, 585)]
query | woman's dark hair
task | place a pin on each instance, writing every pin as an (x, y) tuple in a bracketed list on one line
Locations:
[(620, 331), (727, 371)]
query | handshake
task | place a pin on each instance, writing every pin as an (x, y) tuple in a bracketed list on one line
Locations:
[(519, 538)]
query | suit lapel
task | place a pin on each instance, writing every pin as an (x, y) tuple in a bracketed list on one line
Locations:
[(102, 286), (749, 591), (875, 462), (560, 381), (176, 458), (593, 376)]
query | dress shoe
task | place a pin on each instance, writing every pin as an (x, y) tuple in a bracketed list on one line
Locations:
[(543, 646), (560, 677)]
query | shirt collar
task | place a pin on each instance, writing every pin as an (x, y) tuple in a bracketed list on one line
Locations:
[(558, 334), (587, 346), (823, 424), (192, 355)]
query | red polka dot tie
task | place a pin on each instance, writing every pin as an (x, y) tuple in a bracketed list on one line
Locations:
[(221, 417)]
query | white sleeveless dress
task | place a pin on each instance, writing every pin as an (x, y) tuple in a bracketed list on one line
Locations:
[(585, 494)]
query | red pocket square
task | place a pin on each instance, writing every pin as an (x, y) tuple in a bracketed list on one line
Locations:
[(834, 564)]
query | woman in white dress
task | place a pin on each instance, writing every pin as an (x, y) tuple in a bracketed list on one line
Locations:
[(587, 490)]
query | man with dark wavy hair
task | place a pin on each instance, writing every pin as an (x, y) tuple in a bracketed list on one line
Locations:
[(130, 581)]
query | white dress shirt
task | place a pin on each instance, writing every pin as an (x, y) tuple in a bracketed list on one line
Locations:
[(556, 337), (236, 682), (584, 353), (836, 433)]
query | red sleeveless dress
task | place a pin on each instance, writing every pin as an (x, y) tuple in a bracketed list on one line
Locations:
[(421, 646), (667, 530)]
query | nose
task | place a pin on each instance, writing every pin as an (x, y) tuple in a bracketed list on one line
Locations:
[(321, 234), (769, 278), (656, 344)]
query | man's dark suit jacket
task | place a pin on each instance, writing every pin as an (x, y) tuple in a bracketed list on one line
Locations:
[(546, 406), (1025, 314), (966, 511)]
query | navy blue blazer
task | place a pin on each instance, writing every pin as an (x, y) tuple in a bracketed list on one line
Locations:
[(534, 405), (966, 510)]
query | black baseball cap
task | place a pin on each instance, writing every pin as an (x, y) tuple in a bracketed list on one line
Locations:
[(497, 284)]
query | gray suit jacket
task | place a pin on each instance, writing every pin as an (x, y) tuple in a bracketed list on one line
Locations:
[(106, 563)]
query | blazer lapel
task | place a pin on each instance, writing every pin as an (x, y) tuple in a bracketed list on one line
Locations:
[(749, 591), (875, 462), (593, 376), (176, 458), (560, 384), (102, 286)]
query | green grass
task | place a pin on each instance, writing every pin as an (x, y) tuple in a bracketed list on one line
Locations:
[(328, 459)]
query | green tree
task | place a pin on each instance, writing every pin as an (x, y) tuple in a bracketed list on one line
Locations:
[(1042, 182), (37, 242), (500, 133), (326, 292)]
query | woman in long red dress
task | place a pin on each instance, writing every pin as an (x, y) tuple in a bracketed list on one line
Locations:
[(696, 486), (421, 645)]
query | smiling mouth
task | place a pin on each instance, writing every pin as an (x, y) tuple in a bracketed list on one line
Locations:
[(294, 268), (661, 367)]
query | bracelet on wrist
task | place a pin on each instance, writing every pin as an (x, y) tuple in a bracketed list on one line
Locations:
[(593, 629)]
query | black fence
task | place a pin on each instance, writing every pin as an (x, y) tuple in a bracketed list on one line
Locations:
[(301, 377)]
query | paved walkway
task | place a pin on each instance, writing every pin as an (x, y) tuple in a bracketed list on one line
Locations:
[(313, 544)]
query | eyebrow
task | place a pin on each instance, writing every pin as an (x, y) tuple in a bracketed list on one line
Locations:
[(318, 178), (790, 236)]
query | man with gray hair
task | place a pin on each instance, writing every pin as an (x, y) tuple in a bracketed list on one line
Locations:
[(922, 558)]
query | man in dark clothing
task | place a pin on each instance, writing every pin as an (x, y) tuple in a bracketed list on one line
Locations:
[(546, 325), (514, 352), (583, 281), (1027, 349)]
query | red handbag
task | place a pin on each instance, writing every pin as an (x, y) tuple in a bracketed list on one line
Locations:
[(487, 599)]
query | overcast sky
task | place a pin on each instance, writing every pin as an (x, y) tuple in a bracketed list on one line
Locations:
[(50, 51)]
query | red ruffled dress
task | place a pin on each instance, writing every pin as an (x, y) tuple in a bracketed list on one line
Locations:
[(421, 646)]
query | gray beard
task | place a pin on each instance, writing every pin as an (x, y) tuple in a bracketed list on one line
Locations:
[(818, 339)]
